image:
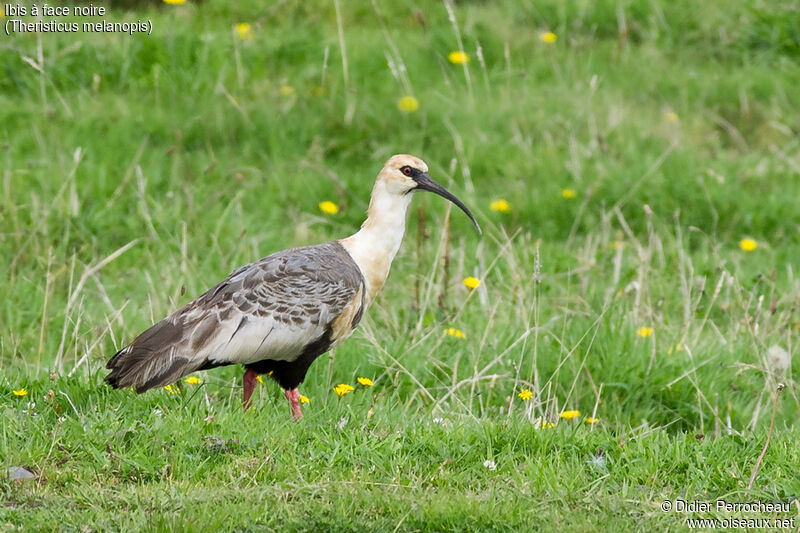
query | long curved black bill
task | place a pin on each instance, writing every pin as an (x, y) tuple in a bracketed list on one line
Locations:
[(426, 183)]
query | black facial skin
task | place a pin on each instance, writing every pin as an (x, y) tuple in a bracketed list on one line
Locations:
[(426, 183)]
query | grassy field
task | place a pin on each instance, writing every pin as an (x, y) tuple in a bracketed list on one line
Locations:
[(643, 269)]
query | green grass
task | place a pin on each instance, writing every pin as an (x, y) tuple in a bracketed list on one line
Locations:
[(139, 171)]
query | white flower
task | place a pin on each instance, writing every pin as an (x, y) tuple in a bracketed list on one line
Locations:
[(598, 461), (488, 463), (779, 358)]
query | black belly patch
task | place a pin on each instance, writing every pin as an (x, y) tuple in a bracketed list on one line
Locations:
[(290, 374)]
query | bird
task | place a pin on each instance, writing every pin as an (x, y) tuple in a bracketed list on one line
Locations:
[(275, 316)]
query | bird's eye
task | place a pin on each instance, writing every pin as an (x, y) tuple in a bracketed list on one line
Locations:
[(407, 171)]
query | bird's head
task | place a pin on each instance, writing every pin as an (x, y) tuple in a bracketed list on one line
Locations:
[(403, 174)]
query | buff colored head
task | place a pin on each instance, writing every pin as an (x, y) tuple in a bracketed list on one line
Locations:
[(405, 173)]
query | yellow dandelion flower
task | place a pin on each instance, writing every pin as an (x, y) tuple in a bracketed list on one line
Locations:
[(20, 392), (366, 382), (328, 207), (259, 379), (409, 104), (548, 37), (304, 399), (287, 90), (192, 380), (525, 394), (472, 283), (170, 389), (645, 332), (244, 31), (546, 424), (2, 13), (453, 332), (671, 117), (569, 194), (591, 420), (174, 2), (748, 245), (569, 415), (677, 348), (458, 58), (342, 388), (501, 206)]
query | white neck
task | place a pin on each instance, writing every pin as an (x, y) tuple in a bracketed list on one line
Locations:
[(374, 246)]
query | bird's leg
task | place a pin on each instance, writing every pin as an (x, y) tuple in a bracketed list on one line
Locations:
[(249, 380), (294, 401)]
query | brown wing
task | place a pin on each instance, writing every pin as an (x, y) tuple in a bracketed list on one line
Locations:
[(270, 309)]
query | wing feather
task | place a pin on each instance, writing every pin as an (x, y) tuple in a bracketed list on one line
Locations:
[(270, 309)]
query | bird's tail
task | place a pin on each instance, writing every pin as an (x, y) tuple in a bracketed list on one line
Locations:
[(153, 359)]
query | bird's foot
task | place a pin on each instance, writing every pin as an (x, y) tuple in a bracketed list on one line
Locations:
[(294, 401), (249, 380)]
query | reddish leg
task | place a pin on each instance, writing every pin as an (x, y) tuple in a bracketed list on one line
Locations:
[(249, 380), (294, 401)]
